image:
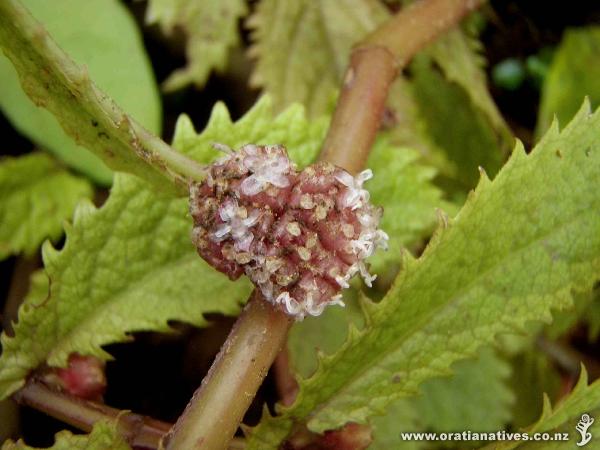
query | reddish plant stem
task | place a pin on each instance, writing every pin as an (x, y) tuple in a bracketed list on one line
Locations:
[(216, 409), (287, 386), (417, 25), (360, 107), (374, 64), (235, 376), (139, 431)]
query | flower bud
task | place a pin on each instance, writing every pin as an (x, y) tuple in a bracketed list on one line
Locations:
[(83, 377)]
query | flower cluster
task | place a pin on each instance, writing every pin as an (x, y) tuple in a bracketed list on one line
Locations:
[(299, 236)]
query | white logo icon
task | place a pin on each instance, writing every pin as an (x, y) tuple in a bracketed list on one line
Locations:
[(584, 423)]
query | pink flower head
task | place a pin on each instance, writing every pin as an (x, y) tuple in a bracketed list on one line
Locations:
[(299, 236)]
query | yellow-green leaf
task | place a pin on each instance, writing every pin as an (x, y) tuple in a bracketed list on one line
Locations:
[(36, 196), (211, 28), (104, 436), (302, 47), (573, 75)]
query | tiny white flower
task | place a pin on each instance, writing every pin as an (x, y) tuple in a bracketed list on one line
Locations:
[(355, 196), (312, 308), (337, 300), (272, 169), (316, 310), (364, 246), (281, 297), (342, 281), (235, 225), (381, 239), (222, 232), (292, 306), (366, 275)]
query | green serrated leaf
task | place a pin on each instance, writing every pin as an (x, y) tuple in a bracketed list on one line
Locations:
[(38, 287), (103, 436), (302, 47), (517, 248), (586, 312), (574, 74), (584, 399), (268, 434), (100, 34), (211, 28), (565, 320), (125, 267), (260, 125), (441, 405), (36, 196)]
